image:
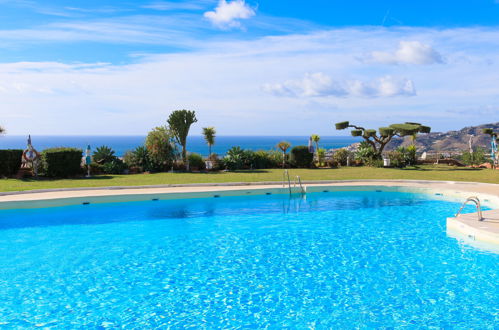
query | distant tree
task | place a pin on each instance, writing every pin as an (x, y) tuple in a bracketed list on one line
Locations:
[(284, 146), (209, 136), (2, 130), (379, 141), (180, 122), (161, 148)]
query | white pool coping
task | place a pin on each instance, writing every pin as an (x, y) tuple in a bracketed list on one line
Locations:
[(465, 227)]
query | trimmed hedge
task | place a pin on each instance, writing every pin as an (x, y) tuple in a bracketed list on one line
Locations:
[(10, 161), (301, 156), (62, 162)]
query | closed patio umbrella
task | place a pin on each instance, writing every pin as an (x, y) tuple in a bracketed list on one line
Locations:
[(311, 148)]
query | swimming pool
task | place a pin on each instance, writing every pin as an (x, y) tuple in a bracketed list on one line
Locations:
[(349, 259)]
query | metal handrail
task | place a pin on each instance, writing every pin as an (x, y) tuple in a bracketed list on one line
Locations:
[(284, 176), (475, 200), (297, 179)]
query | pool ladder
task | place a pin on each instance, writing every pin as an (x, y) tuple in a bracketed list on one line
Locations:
[(475, 200), (286, 177)]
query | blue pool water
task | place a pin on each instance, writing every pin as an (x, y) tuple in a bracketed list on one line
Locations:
[(343, 259)]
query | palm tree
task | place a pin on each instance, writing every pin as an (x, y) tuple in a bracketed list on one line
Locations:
[(2, 130), (209, 136), (180, 122), (284, 146), (316, 138)]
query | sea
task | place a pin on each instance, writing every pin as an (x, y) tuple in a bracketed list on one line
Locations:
[(122, 144)]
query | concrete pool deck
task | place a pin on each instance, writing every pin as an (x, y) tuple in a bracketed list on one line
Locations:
[(466, 226)]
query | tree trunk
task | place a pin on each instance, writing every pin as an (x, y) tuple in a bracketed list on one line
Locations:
[(209, 150), (283, 159), (184, 157)]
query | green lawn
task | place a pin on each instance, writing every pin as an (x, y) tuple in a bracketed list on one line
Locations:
[(420, 173)]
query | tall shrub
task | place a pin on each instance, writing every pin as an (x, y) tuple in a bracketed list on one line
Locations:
[(161, 148), (10, 161), (61, 162), (196, 161), (301, 156)]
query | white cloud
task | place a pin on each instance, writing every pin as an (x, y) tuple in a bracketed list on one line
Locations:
[(322, 85), (223, 82), (174, 5), (409, 52), (227, 14)]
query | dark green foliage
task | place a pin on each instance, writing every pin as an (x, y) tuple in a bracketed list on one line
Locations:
[(477, 157), (301, 157), (140, 160), (410, 155), (488, 131), (403, 156), (116, 166), (10, 161), (386, 134), (370, 132), (356, 132), (425, 129), (405, 129), (396, 159), (340, 157), (161, 150), (103, 154), (62, 162), (234, 159), (332, 163), (366, 154), (266, 159), (386, 131), (342, 125), (196, 161)]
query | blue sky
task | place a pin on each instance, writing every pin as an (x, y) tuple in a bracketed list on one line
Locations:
[(246, 67)]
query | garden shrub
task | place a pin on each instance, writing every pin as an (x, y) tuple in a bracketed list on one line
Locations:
[(409, 154), (62, 162), (196, 161), (366, 154), (140, 160), (332, 163), (10, 161), (340, 156), (397, 159), (321, 156), (301, 156), (116, 166), (265, 159), (476, 157), (103, 154), (234, 159)]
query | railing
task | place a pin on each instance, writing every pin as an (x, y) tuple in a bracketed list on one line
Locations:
[(475, 200), (285, 176), (298, 180)]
